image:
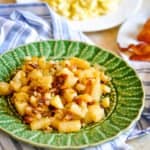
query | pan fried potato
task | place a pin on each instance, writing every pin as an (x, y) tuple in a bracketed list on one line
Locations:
[(58, 95), (4, 88), (69, 126), (95, 113)]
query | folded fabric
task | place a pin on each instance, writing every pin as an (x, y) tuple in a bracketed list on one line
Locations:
[(24, 23), (19, 26)]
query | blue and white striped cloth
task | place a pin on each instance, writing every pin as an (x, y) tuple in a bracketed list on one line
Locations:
[(25, 23)]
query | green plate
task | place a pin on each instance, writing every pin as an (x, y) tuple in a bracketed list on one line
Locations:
[(126, 97)]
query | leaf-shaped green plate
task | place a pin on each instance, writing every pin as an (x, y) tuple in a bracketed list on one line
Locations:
[(126, 97)]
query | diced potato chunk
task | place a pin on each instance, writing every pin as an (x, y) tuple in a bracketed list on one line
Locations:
[(21, 107), (95, 91), (4, 88), (84, 97), (19, 76), (35, 74), (45, 82), (55, 123), (75, 109), (21, 97), (80, 63), (88, 73), (80, 87), (105, 102), (33, 101), (15, 85), (65, 71), (105, 89), (70, 81), (78, 110), (57, 102), (69, 126), (40, 123), (59, 114), (95, 113), (28, 110), (25, 89), (65, 63), (18, 80), (84, 108), (42, 62), (69, 95)]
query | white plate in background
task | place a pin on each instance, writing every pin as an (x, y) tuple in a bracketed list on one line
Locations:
[(129, 30), (125, 9)]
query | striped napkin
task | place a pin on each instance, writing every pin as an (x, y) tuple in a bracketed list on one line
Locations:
[(25, 23)]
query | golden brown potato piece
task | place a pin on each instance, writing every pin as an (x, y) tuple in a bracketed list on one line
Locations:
[(35, 74), (69, 126), (42, 123), (55, 123), (80, 87), (75, 109), (95, 113), (70, 80), (78, 110), (15, 85), (21, 107), (56, 102), (105, 89), (79, 63), (33, 101), (62, 95), (84, 98), (45, 82), (105, 102), (95, 90), (4, 88), (21, 97), (69, 95)]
